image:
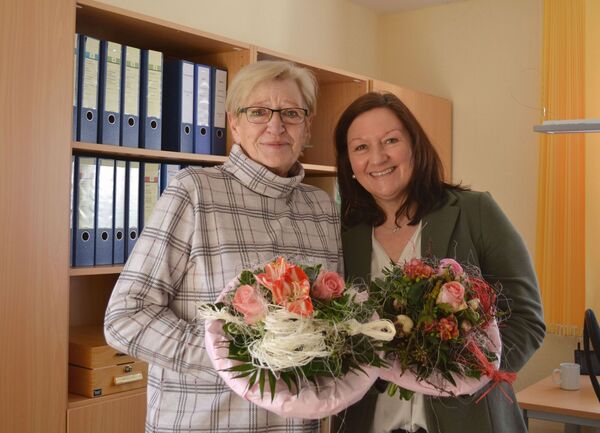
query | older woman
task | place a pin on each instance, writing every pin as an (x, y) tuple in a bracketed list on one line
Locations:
[(209, 224), (395, 206)]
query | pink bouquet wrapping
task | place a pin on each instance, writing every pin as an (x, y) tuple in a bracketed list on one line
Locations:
[(295, 339), (447, 341)]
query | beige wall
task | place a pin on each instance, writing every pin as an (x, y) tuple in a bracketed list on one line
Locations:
[(334, 33), (484, 56), (592, 196)]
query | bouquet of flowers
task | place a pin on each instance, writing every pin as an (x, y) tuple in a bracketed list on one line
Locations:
[(447, 341), (298, 333)]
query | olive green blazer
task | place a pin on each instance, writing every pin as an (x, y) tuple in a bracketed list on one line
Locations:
[(471, 228)]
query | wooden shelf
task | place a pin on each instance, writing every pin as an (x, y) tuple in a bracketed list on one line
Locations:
[(112, 151), (76, 400), (135, 153), (95, 270)]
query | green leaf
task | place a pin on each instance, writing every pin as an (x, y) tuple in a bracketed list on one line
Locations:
[(247, 277), (241, 367), (252, 379), (244, 374), (272, 384), (406, 394), (312, 271), (289, 379), (261, 382)]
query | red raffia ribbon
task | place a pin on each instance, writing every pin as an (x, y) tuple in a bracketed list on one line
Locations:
[(496, 376)]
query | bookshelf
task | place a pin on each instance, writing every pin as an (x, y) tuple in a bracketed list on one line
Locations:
[(42, 296)]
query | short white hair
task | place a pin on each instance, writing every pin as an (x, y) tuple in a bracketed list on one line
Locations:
[(250, 76)]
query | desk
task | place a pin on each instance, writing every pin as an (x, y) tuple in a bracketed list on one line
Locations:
[(545, 400)]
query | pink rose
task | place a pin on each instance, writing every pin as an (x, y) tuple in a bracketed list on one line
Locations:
[(452, 293), (450, 265), (248, 301), (328, 285)]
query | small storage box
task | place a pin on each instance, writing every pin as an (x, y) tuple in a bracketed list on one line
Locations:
[(96, 369)]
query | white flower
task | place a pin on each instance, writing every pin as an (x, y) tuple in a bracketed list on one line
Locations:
[(474, 303), (404, 323)]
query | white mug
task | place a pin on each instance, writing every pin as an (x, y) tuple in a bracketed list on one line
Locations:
[(567, 376)]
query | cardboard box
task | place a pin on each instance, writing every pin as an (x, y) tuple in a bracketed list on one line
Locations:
[(96, 369), (88, 348), (107, 380)]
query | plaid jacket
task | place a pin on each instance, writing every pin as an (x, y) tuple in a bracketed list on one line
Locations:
[(208, 225)]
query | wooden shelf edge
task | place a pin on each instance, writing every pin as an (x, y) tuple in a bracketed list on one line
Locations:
[(95, 270), (144, 154), (325, 73), (108, 150), (319, 170), (76, 401)]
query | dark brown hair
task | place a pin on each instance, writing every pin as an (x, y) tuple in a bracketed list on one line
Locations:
[(425, 190)]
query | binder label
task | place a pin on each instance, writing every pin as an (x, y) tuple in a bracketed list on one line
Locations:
[(154, 84), (75, 61), (131, 104), (120, 196), (220, 95), (151, 188), (113, 77), (105, 193), (90, 75), (187, 93), (203, 96), (134, 185)]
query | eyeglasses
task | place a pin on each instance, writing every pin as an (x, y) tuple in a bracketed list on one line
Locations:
[(290, 116)]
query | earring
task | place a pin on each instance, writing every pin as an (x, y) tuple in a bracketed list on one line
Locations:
[(353, 176)]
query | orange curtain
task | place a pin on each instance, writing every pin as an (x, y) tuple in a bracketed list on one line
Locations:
[(560, 246)]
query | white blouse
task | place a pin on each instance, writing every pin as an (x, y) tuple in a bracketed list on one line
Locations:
[(391, 412)]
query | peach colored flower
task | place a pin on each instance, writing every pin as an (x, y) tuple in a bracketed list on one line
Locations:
[(416, 268), (303, 306), (274, 271), (328, 285), (289, 285), (294, 284), (448, 328), (452, 293), (248, 301)]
